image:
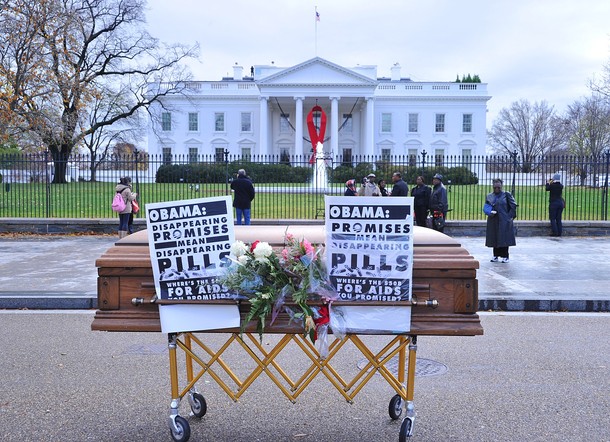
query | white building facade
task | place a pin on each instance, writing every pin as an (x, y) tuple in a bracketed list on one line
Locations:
[(265, 114)]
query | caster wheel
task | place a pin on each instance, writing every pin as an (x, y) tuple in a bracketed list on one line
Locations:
[(198, 405), (182, 433), (395, 408), (406, 430)]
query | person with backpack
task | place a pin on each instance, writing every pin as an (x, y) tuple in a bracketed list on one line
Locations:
[(123, 188)]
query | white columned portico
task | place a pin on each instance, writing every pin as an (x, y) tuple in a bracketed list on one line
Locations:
[(334, 125), (298, 122), (369, 130), (264, 126)]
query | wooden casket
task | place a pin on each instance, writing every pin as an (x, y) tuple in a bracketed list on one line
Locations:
[(445, 291)]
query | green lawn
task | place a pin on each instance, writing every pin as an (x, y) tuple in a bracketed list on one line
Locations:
[(93, 199)]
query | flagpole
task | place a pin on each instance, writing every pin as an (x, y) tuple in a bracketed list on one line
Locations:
[(316, 33)]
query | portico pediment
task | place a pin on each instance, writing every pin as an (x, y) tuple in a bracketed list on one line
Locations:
[(317, 72)]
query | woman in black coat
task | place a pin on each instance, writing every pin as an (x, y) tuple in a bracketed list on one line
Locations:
[(421, 200), (501, 209)]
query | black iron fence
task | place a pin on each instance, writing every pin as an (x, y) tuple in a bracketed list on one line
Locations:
[(293, 187)]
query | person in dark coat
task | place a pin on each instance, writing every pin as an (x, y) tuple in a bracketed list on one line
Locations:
[(400, 188), (244, 194), (382, 188), (556, 204), (439, 204), (421, 194), (350, 188), (501, 209)]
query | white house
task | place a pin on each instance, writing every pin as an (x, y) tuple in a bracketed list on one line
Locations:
[(266, 112)]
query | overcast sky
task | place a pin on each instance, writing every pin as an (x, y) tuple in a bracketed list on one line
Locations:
[(523, 49)]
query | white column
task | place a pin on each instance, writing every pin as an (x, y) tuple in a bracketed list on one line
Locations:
[(298, 126), (369, 138), (264, 126), (334, 125)]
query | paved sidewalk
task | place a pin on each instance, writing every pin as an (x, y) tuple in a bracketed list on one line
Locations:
[(544, 273)]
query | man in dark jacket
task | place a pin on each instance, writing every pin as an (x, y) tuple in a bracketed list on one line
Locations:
[(400, 187), (244, 194), (438, 203)]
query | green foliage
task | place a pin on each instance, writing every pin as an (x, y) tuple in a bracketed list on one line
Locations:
[(346, 172), (221, 173)]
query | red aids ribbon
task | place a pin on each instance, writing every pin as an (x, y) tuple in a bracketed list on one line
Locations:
[(315, 135)]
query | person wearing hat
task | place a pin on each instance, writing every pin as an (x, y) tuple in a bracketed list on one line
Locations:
[(438, 203), (350, 188), (125, 189), (369, 188), (556, 203), (501, 209)]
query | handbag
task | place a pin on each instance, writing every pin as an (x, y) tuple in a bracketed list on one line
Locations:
[(135, 207)]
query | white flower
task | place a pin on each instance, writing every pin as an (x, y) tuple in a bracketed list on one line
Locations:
[(266, 295), (239, 248), (243, 259), (262, 251)]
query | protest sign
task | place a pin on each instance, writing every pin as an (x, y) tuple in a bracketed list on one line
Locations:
[(190, 241), (369, 247)]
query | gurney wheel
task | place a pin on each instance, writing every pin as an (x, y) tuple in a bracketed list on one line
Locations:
[(198, 405), (406, 430), (183, 432), (395, 408)]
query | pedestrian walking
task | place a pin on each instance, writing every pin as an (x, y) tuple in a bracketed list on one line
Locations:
[(438, 203), (400, 187), (124, 188), (556, 204), (421, 200), (501, 209), (243, 195)]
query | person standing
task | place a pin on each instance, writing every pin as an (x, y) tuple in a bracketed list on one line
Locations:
[(501, 209), (421, 195), (438, 203), (124, 188), (382, 188), (400, 188), (369, 188), (556, 204), (244, 194), (350, 188)]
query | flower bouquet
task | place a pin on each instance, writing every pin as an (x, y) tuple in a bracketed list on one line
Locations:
[(267, 281)]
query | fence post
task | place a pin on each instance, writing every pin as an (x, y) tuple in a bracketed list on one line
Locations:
[(514, 156), (226, 155), (48, 182), (136, 153), (605, 193)]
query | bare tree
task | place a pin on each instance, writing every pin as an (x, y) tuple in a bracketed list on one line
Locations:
[(59, 57), (100, 142), (527, 130), (588, 126)]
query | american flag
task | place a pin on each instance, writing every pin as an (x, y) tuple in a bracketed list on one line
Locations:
[(317, 16)]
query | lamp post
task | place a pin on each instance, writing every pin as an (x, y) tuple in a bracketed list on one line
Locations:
[(423, 160)]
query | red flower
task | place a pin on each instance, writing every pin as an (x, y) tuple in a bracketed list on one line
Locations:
[(254, 244)]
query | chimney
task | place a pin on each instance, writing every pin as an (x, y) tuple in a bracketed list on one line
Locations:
[(395, 72), (238, 72)]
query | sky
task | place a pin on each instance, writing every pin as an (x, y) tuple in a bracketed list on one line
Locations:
[(523, 49)]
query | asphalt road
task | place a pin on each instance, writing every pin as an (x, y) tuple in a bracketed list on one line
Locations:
[(531, 377)]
